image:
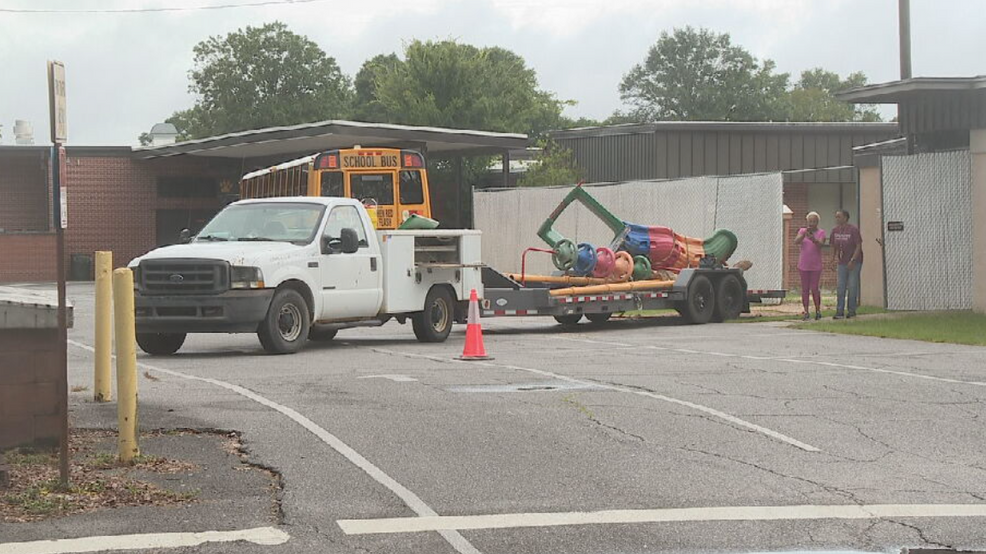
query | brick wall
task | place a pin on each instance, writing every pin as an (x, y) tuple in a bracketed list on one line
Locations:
[(113, 201), (796, 198), (27, 257), (29, 376), (23, 193)]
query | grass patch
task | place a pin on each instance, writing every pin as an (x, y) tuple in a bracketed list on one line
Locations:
[(28, 456), (960, 327)]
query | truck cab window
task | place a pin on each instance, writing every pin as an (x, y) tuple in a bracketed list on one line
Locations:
[(332, 184), (376, 186), (345, 216), (412, 191)]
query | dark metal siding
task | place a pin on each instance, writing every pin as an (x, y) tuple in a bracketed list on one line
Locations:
[(931, 112), (672, 154)]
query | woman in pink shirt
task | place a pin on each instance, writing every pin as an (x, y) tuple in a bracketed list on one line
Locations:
[(811, 239)]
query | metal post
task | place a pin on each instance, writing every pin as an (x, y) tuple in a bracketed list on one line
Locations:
[(459, 185), (904, 23), (63, 467), (506, 168), (126, 364), (102, 387)]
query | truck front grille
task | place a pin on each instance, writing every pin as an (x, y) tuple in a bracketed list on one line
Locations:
[(183, 277)]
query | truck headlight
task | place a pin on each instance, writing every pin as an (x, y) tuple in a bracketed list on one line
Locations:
[(246, 278)]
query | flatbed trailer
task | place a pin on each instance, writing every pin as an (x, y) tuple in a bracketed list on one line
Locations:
[(700, 295)]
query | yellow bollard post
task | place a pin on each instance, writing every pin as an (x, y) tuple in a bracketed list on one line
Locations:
[(126, 364), (102, 387)]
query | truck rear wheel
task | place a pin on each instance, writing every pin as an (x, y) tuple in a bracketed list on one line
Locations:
[(700, 300), (160, 344), (568, 320), (434, 323), (729, 299), (285, 328)]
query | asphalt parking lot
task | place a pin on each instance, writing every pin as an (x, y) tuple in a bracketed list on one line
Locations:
[(631, 437)]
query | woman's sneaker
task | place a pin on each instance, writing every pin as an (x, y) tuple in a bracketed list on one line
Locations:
[(839, 316), (818, 316), (806, 317)]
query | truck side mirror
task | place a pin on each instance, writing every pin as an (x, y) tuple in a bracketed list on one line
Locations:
[(185, 236), (350, 240)]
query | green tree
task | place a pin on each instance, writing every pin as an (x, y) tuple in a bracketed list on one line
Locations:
[(695, 74), (366, 107), (261, 77), (448, 84), (553, 165), (813, 98)]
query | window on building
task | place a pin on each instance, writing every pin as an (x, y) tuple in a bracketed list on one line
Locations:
[(187, 187)]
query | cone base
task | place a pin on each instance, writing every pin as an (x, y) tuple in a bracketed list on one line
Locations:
[(474, 358)]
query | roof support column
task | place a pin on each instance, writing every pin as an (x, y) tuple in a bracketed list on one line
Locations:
[(506, 168)]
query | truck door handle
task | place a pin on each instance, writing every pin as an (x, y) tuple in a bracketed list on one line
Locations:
[(373, 264)]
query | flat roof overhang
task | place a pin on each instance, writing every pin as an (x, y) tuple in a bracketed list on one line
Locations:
[(896, 91), (332, 134)]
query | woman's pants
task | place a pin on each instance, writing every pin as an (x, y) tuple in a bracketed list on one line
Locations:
[(809, 285)]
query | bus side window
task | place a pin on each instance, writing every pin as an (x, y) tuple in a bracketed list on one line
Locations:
[(412, 192), (332, 184)]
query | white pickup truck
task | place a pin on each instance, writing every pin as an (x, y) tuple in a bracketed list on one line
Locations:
[(299, 268)]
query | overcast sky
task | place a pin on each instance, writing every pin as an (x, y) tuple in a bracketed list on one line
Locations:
[(126, 71)]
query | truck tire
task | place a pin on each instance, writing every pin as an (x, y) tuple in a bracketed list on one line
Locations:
[(599, 318), (729, 299), (434, 323), (285, 328), (160, 344), (700, 301), (322, 335), (569, 320)]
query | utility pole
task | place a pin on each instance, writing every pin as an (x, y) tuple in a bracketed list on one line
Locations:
[(904, 23)]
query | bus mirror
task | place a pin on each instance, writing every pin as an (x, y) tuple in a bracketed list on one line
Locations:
[(350, 240), (185, 236)]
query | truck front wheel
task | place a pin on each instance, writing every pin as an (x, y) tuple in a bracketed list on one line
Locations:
[(160, 344), (434, 323), (285, 328)]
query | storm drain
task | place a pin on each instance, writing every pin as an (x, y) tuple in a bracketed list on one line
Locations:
[(540, 386)]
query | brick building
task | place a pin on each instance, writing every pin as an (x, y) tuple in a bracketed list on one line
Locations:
[(816, 159), (130, 200)]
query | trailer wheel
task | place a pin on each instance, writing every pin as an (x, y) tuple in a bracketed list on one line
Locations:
[(700, 300), (729, 299), (286, 327), (160, 344), (434, 323), (568, 320), (322, 335), (599, 318)]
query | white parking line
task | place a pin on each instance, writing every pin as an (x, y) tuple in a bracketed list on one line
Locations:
[(267, 536), (783, 359), (457, 541), (728, 513), (711, 411)]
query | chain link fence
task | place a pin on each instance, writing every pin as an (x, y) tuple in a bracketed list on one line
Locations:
[(748, 205), (929, 260)]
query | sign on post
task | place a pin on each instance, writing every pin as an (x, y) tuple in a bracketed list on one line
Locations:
[(56, 96)]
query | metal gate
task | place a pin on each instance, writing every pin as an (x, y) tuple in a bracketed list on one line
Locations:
[(927, 222)]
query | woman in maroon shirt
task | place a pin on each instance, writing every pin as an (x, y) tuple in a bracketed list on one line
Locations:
[(847, 247)]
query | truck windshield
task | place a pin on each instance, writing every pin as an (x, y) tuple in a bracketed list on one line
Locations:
[(276, 221)]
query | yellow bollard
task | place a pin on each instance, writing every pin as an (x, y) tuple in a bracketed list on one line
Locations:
[(126, 364), (103, 387)]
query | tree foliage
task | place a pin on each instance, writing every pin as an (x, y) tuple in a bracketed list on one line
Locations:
[(553, 165), (260, 77), (695, 74), (813, 98), (449, 84)]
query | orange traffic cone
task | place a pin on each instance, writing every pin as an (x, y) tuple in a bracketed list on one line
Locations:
[(474, 349)]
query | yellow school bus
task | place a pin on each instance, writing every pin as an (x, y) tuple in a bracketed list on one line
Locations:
[(395, 181)]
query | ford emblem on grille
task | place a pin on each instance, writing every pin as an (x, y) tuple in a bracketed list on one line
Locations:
[(176, 278)]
